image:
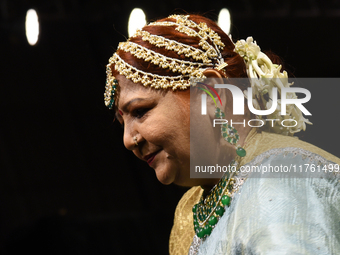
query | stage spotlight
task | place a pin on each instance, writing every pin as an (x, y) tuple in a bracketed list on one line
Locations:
[(32, 27), (224, 20), (137, 20)]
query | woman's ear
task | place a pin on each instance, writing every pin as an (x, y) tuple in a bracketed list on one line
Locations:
[(215, 77), (214, 74)]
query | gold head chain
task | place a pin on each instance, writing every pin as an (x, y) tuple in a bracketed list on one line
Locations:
[(188, 72)]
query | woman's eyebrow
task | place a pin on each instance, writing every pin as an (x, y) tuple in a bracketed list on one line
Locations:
[(126, 105)]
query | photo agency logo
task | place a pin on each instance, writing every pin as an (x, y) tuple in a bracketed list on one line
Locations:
[(287, 100)]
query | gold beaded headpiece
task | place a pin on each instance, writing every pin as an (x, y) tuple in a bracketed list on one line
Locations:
[(208, 56), (263, 74)]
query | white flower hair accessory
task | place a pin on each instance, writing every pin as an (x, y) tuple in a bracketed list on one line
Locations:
[(264, 76)]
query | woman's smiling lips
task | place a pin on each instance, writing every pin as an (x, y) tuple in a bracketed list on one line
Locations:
[(150, 157)]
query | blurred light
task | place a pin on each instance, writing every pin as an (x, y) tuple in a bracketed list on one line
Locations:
[(137, 20), (224, 20), (32, 27)]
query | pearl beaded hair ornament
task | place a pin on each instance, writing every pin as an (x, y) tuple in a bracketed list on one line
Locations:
[(263, 74), (188, 72)]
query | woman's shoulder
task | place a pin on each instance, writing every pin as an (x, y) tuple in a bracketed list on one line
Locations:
[(182, 231), (189, 199), (265, 142)]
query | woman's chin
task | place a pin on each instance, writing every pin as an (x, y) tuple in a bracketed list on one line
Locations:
[(164, 177), (167, 179)]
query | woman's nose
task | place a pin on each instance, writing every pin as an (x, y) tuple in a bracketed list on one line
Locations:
[(128, 138)]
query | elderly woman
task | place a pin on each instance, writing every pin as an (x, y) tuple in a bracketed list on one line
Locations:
[(156, 81)]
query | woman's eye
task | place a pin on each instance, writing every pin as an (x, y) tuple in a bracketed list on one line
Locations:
[(140, 112)]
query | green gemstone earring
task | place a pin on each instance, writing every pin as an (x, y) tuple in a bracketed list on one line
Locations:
[(230, 133)]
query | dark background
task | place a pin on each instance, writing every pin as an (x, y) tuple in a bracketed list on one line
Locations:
[(67, 185)]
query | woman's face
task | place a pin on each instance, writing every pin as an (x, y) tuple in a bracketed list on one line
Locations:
[(160, 122)]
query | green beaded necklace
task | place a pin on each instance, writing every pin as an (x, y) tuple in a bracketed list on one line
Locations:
[(210, 209)]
